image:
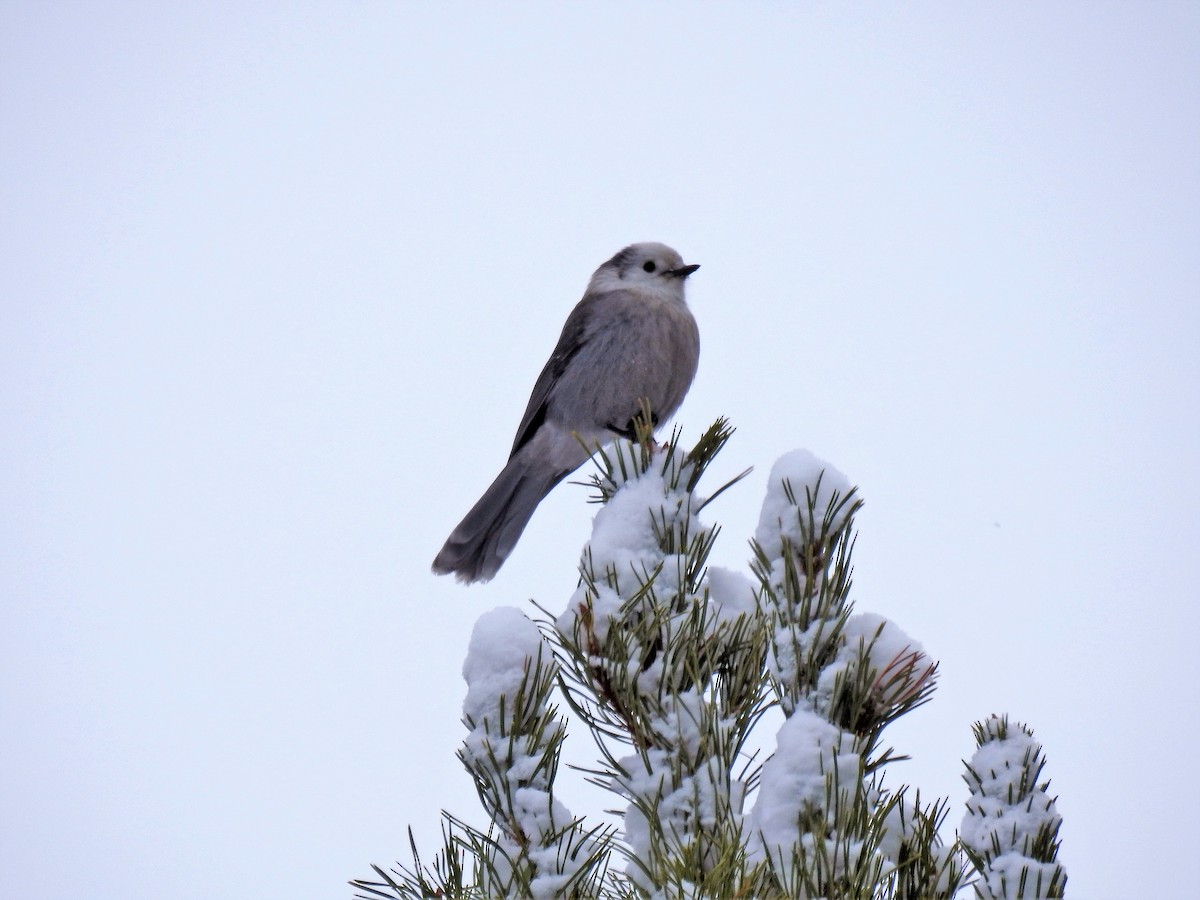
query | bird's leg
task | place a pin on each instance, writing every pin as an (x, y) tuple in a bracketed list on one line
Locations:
[(637, 431), (641, 424)]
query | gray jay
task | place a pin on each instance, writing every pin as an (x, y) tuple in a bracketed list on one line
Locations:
[(630, 338)]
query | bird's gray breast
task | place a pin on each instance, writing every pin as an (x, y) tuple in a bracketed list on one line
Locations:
[(635, 347)]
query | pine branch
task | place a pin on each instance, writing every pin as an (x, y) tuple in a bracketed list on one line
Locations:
[(671, 664), (1010, 830), (653, 663)]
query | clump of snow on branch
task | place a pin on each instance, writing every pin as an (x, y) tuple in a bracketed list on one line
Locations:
[(801, 548), (676, 791), (812, 758), (897, 665), (512, 750), (626, 545), (732, 592), (502, 644), (1011, 824), (799, 484)]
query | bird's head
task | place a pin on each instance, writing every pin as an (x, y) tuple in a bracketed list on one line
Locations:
[(651, 267)]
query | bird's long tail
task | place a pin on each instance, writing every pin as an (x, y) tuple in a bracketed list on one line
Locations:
[(482, 541)]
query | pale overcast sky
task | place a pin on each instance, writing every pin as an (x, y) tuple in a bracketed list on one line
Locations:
[(276, 280)]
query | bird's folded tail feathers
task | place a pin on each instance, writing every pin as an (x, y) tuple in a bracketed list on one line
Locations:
[(487, 534)]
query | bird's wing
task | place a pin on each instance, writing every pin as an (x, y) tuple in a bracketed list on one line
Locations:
[(570, 342)]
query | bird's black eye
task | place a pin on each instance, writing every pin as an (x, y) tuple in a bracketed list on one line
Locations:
[(648, 265)]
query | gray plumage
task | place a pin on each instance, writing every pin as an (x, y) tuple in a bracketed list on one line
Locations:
[(630, 337)]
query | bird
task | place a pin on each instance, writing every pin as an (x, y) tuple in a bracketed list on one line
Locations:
[(630, 339)]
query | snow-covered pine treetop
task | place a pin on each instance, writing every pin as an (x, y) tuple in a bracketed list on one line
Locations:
[(670, 664)]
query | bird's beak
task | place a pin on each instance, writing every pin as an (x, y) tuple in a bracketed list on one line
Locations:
[(682, 271)]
